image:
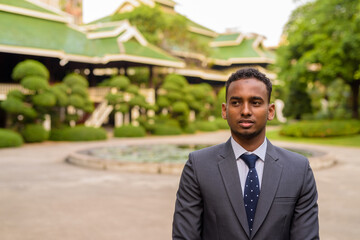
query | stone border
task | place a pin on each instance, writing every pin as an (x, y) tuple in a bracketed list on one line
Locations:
[(319, 160)]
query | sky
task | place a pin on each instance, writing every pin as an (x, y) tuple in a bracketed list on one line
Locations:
[(265, 17)]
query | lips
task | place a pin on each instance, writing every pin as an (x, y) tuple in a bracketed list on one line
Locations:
[(246, 123)]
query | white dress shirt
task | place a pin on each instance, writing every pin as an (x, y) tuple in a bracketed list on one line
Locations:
[(242, 167)]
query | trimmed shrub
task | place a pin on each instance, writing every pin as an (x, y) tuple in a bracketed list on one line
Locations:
[(164, 130), (16, 94), (34, 83), (221, 123), (34, 133), (10, 138), (119, 82), (132, 89), (78, 133), (77, 101), (206, 126), (74, 79), (44, 99), (129, 131), (29, 68), (190, 128), (321, 128)]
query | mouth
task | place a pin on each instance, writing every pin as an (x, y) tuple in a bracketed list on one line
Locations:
[(246, 123)]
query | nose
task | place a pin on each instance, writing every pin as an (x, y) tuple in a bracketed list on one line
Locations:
[(246, 110)]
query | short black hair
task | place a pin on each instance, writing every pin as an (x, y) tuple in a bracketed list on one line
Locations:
[(246, 73)]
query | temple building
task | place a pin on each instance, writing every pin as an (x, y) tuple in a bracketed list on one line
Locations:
[(49, 31)]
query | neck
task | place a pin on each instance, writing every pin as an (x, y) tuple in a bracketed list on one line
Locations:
[(249, 144)]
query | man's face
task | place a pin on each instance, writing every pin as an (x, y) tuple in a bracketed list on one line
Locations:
[(247, 109)]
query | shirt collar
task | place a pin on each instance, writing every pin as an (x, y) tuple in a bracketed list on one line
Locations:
[(239, 150)]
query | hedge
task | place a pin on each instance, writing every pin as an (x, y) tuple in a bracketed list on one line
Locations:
[(10, 138), (326, 128), (221, 123), (206, 126), (190, 128), (129, 131), (163, 130), (78, 133), (34, 133)]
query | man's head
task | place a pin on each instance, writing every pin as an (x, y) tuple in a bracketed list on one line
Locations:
[(247, 107), (247, 73)]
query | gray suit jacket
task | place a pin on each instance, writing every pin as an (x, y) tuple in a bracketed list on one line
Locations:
[(210, 204)]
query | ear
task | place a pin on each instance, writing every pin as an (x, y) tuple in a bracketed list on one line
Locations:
[(271, 112), (223, 110)]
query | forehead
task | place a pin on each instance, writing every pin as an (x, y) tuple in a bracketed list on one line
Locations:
[(247, 86)]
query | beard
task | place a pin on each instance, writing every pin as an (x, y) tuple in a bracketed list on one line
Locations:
[(248, 135)]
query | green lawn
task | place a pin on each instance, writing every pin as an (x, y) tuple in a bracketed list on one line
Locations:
[(350, 141)]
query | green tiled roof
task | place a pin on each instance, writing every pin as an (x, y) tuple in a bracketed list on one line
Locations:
[(26, 5), (31, 32), (135, 48), (37, 33), (226, 37), (243, 50), (103, 29)]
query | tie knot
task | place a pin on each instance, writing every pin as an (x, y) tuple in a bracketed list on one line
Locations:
[(249, 159)]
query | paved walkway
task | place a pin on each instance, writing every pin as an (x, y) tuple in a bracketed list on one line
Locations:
[(42, 197)]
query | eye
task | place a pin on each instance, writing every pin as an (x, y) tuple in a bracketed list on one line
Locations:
[(256, 103), (235, 103)]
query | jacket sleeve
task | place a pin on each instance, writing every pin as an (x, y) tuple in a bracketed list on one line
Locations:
[(187, 222), (305, 223)]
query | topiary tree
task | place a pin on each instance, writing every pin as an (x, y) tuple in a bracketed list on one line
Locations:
[(124, 97), (29, 107), (74, 89), (29, 68)]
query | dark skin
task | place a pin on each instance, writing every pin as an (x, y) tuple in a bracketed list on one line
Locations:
[(247, 110)]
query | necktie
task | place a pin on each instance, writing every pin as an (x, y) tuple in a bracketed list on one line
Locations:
[(252, 188)]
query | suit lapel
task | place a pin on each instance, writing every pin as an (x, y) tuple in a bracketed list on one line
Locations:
[(270, 181), (230, 175)]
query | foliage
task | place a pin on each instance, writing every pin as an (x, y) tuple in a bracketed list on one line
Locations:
[(321, 128), (140, 75), (119, 82), (9, 138), (206, 126), (220, 99), (190, 128), (74, 79), (221, 123), (46, 99), (163, 130), (129, 131), (34, 133), (78, 133), (349, 140), (322, 45), (34, 83), (298, 101), (29, 68), (163, 29), (17, 107), (16, 94)]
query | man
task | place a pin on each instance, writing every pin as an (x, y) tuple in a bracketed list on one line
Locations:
[(246, 188)]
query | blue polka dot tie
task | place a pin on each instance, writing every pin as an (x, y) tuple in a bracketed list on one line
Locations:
[(252, 188)]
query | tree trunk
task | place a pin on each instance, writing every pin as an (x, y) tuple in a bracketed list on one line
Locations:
[(355, 98)]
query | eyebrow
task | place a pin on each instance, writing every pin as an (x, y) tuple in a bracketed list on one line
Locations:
[(252, 98)]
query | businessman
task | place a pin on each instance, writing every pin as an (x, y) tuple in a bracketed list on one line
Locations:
[(246, 188)]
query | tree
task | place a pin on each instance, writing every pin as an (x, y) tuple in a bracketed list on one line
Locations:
[(162, 29), (322, 45)]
